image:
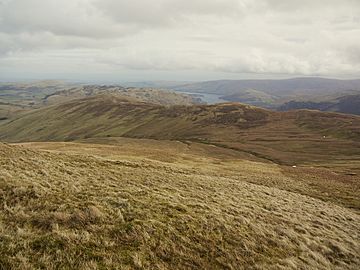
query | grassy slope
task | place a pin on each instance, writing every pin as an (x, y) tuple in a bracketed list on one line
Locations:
[(318, 182), (9, 111), (282, 137), (134, 205), (17, 99)]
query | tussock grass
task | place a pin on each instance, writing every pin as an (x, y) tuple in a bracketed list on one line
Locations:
[(78, 210)]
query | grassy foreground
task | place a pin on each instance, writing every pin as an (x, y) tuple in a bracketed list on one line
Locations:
[(134, 205)]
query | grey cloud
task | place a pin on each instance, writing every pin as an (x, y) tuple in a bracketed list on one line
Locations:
[(286, 5), (255, 36), (163, 12), (77, 18)]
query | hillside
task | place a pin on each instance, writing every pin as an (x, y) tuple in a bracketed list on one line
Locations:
[(9, 111), (18, 98), (150, 95), (275, 87), (40, 93), (275, 93), (349, 104), (254, 97), (142, 204), (281, 137), (114, 116)]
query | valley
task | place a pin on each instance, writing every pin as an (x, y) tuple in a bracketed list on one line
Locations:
[(287, 94)]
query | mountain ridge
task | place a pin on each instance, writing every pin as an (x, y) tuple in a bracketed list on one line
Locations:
[(274, 85), (237, 126), (276, 94)]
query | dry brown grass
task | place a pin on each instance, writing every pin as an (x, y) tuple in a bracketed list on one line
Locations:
[(332, 180), (124, 206)]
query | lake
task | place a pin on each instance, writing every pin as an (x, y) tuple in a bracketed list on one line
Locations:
[(205, 97)]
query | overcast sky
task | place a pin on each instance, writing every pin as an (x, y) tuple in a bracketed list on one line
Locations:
[(131, 40)]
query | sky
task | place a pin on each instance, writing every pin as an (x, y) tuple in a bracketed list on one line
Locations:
[(138, 40)]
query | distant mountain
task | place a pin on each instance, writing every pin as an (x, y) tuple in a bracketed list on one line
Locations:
[(155, 84), (298, 105), (274, 93), (274, 87), (253, 97), (347, 104)]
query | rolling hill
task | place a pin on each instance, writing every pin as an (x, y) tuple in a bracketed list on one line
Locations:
[(149, 95), (282, 137), (274, 93), (39, 93), (30, 93), (19, 98)]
